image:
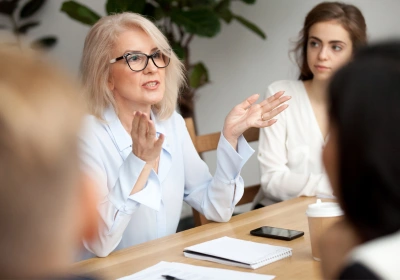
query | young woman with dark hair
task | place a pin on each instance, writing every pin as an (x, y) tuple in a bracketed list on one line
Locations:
[(290, 151)]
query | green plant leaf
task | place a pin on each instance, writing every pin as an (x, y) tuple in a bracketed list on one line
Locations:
[(118, 6), (250, 26), (222, 5), (249, 1), (8, 7), (178, 50), (198, 21), (198, 76), (25, 27), (153, 13), (80, 12), (166, 4), (199, 3), (44, 42), (30, 8), (223, 11)]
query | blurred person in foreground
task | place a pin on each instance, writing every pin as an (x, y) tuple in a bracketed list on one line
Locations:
[(137, 146), (47, 205), (362, 161)]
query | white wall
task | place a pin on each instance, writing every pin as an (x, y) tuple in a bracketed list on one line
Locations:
[(239, 62)]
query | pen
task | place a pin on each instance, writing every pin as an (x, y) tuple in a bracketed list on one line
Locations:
[(169, 277)]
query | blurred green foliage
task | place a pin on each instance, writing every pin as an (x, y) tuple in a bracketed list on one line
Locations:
[(19, 14)]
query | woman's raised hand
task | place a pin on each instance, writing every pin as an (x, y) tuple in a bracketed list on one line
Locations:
[(145, 144), (249, 114)]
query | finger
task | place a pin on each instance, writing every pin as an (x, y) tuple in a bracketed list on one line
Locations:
[(269, 105), (151, 132), (276, 95), (135, 122), (272, 98), (142, 130), (269, 122), (271, 114), (159, 141), (249, 101)]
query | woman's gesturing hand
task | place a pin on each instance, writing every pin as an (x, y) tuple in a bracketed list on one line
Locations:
[(145, 144), (248, 114)]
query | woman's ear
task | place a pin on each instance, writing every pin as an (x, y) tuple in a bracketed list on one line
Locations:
[(89, 214)]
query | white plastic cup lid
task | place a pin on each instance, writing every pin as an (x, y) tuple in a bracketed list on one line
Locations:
[(324, 209)]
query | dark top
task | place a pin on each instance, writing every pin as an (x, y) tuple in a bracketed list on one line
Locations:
[(357, 271)]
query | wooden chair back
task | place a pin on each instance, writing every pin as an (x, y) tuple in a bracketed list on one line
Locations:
[(209, 142)]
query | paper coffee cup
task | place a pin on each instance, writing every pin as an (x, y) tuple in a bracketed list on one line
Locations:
[(321, 215)]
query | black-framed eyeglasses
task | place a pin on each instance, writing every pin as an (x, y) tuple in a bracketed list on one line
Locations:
[(138, 61)]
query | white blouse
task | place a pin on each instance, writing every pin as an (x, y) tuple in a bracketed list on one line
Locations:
[(154, 212), (379, 255), (290, 151)]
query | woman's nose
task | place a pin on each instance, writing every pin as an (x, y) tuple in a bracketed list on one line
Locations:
[(323, 54), (150, 67)]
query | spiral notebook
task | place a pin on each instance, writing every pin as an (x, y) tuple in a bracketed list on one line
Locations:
[(237, 252)]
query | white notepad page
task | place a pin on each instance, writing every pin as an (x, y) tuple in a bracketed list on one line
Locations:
[(192, 272), (237, 252)]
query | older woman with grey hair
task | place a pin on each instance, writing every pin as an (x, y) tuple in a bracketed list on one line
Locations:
[(138, 148)]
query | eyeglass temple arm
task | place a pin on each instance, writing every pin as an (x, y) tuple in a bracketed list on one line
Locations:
[(116, 59)]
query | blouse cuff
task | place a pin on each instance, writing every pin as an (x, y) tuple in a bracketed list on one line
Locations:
[(230, 161), (129, 172), (131, 168), (150, 195)]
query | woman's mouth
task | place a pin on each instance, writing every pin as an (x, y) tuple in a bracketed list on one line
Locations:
[(151, 85), (322, 68)]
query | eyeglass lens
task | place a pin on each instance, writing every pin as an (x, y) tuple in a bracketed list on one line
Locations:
[(138, 61)]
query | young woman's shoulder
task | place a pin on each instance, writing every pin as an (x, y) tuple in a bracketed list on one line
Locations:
[(293, 88), (285, 85)]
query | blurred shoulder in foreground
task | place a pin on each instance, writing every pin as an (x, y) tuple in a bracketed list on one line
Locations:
[(47, 205)]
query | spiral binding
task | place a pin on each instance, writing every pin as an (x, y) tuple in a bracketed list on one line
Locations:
[(283, 253)]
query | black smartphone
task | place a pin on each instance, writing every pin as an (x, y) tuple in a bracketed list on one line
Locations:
[(277, 233)]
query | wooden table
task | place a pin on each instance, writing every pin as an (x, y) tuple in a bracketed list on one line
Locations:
[(288, 214)]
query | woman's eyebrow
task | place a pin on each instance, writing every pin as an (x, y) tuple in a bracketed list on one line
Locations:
[(337, 42), (137, 51), (315, 38), (132, 51), (330, 42)]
